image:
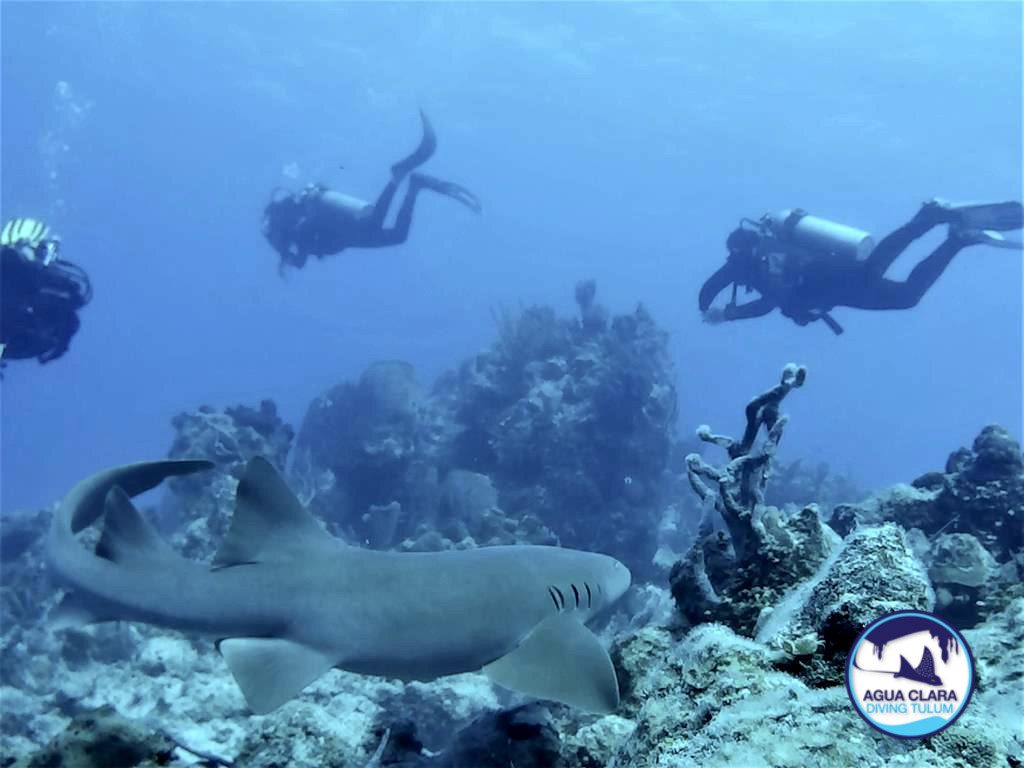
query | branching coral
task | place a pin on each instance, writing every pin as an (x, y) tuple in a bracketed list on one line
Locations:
[(731, 579), (741, 482)]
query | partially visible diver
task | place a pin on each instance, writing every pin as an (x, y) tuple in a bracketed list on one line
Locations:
[(319, 221), (40, 293), (805, 266)]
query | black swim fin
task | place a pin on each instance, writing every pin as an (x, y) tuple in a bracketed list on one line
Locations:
[(989, 237), (422, 153), (999, 217), (448, 189)]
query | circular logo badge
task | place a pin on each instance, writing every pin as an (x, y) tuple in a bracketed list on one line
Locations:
[(910, 674)]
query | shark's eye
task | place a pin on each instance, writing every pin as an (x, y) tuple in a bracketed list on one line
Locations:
[(576, 594), (589, 596)]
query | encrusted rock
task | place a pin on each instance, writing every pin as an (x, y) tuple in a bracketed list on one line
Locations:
[(102, 739), (875, 572)]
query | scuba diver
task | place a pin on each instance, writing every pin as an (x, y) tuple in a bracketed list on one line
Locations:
[(805, 266), (40, 293), (319, 221)]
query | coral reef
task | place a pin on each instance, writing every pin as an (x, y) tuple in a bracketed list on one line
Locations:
[(560, 432), (373, 446), (796, 483), (713, 698), (574, 420), (814, 627), (199, 509), (101, 739), (968, 523)]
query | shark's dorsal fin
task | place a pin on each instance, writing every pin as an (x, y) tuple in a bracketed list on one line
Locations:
[(269, 522), (561, 660), (271, 671), (126, 534)]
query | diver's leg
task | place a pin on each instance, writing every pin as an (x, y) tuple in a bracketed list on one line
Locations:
[(892, 245), (378, 235), (399, 232), (878, 293), (375, 223), (420, 155), (428, 144)]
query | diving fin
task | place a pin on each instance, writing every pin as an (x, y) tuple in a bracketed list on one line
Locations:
[(989, 237), (999, 217), (450, 189), (420, 155), (560, 660)]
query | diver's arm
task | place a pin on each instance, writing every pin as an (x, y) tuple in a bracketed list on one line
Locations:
[(715, 284), (756, 308)]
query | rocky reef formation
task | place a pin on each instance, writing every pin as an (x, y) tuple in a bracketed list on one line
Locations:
[(199, 509), (386, 465), (561, 431), (714, 698), (798, 483), (103, 738), (366, 455), (965, 524)]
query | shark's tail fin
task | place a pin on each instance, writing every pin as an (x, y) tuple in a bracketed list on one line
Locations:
[(84, 503), (127, 539), (126, 535)]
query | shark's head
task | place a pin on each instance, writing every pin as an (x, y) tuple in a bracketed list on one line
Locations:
[(601, 581), (617, 579)]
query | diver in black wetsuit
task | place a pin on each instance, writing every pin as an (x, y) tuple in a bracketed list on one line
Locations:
[(805, 266), (319, 221), (40, 293)]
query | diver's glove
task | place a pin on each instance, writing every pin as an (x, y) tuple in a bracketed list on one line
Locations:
[(714, 315)]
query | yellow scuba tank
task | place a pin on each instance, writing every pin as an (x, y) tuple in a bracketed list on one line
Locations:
[(817, 235)]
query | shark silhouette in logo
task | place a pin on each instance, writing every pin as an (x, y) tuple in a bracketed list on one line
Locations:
[(287, 601)]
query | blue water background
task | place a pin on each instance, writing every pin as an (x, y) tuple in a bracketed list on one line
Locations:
[(619, 142)]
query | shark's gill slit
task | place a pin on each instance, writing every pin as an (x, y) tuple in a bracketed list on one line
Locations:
[(576, 594), (553, 598), (561, 597), (589, 596)]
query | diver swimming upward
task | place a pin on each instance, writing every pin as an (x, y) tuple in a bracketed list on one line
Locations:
[(319, 221), (805, 266)]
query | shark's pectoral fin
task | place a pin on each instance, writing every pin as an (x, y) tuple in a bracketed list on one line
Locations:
[(269, 522), (561, 660), (270, 671)]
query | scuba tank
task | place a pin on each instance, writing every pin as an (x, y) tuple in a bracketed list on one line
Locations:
[(815, 234)]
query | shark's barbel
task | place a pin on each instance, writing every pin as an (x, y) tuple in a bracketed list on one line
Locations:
[(288, 601)]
